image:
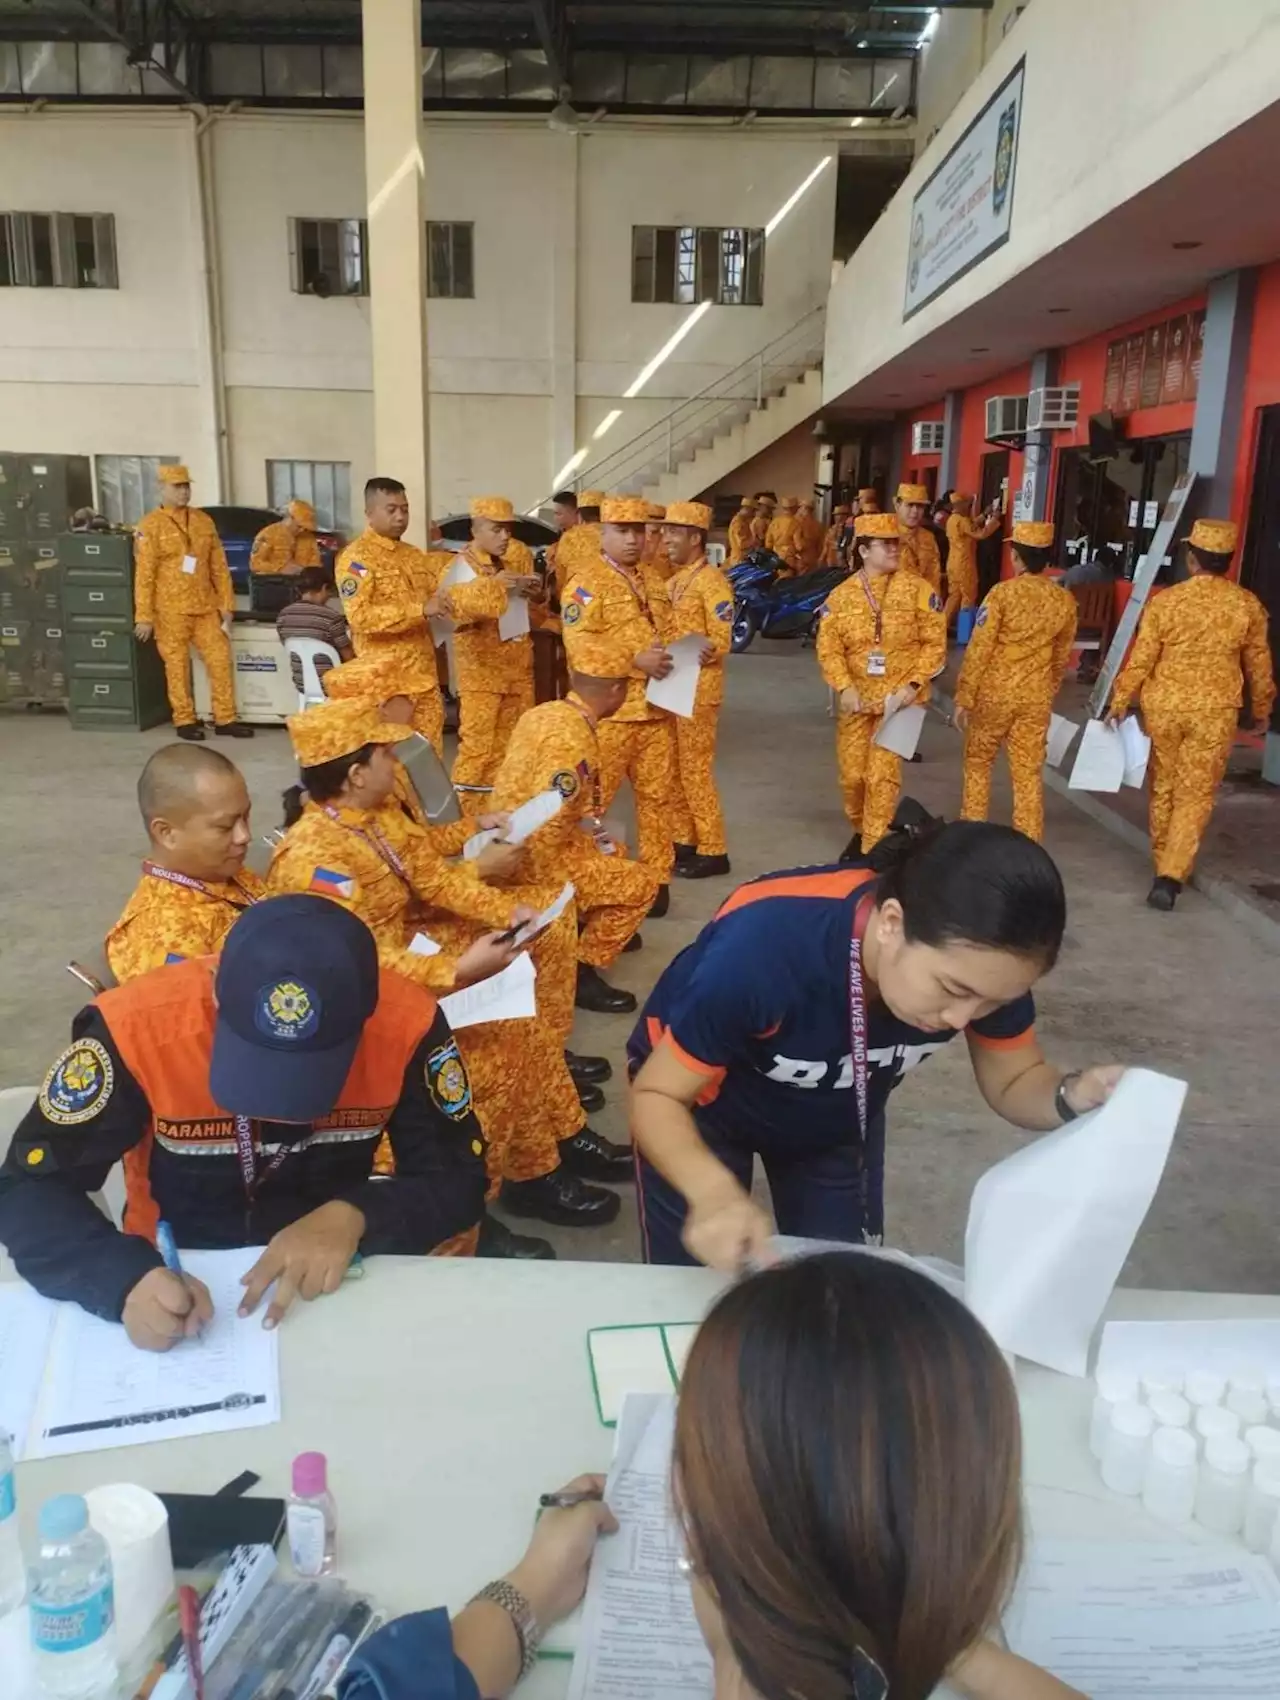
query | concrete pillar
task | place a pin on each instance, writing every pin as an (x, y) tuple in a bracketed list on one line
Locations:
[(1031, 500), (393, 168), (564, 303), (1215, 434), (951, 404)]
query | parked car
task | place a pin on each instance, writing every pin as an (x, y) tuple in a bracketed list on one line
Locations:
[(770, 607), (237, 527)]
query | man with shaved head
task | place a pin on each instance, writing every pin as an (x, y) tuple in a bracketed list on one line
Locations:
[(194, 884)]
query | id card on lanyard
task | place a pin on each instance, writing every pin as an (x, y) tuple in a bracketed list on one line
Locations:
[(876, 656), (172, 877), (376, 842)]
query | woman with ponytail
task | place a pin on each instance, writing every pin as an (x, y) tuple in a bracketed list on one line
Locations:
[(782, 1029)]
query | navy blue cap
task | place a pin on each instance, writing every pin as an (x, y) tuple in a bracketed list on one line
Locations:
[(297, 980)]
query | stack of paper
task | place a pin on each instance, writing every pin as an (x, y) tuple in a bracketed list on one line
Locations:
[(1100, 760), (508, 996), (900, 731), (677, 691), (1137, 752), (525, 821)]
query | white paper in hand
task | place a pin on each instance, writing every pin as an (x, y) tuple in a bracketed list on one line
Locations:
[(479, 841), (513, 622), (1137, 752), (526, 820), (508, 996), (551, 913), (1050, 1227), (677, 691), (900, 732), (1061, 736), (1100, 760)]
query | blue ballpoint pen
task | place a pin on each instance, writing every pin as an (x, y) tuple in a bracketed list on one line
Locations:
[(167, 1246)]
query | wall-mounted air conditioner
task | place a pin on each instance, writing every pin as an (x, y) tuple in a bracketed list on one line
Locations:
[(1056, 407), (928, 436), (1006, 417)]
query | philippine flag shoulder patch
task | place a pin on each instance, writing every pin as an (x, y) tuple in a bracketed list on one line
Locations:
[(328, 882)]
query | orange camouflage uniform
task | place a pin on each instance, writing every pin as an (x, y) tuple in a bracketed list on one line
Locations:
[(630, 609), (912, 636), (1012, 668), (780, 537), (1196, 643), (701, 605), (579, 544), (806, 541), (170, 917), (276, 546), (524, 1094), (495, 675), (384, 584), (186, 607), (918, 553), (555, 747), (740, 538), (963, 536)]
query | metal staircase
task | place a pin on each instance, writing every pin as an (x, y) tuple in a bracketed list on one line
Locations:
[(705, 437)]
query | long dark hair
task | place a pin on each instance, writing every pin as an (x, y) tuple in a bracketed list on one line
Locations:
[(971, 882), (846, 1468), (322, 783)]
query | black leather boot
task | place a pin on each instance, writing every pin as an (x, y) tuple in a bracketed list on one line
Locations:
[(561, 1198), (592, 1157), (596, 994)]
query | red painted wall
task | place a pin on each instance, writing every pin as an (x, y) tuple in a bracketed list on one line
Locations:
[(915, 466), (1084, 363)]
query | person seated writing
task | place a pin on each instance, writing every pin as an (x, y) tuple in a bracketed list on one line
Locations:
[(246, 1099), (314, 615), (194, 886)]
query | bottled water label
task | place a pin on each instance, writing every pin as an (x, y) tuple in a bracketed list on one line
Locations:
[(8, 1498), (72, 1627), (306, 1539)]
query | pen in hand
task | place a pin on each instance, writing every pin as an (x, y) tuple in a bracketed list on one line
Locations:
[(167, 1246), (567, 1500)]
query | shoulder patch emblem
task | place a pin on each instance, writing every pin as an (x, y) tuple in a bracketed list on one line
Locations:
[(447, 1080), (348, 587), (565, 782), (980, 619), (935, 602), (571, 613), (78, 1085), (724, 611)]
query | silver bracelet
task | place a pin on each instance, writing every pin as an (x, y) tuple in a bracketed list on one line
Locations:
[(518, 1609)]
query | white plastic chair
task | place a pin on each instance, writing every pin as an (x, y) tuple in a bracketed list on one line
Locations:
[(307, 650)]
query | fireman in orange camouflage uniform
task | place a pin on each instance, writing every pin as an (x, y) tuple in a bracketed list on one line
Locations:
[(1012, 668), (614, 597), (740, 539), (807, 538), (919, 552), (194, 884), (781, 533), (556, 747), (494, 674), (1196, 645), (183, 597), (288, 545), (830, 556), (868, 501), (701, 606), (654, 553), (761, 521), (352, 843), (581, 542), (881, 638), (390, 594), (964, 533)]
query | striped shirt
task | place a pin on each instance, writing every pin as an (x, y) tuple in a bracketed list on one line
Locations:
[(312, 620)]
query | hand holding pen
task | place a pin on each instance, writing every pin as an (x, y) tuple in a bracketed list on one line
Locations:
[(166, 1305), (552, 1575)]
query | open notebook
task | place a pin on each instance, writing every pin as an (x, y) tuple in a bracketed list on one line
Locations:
[(646, 1357)]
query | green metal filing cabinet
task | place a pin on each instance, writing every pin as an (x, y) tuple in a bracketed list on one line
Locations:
[(32, 652), (38, 494), (112, 680)]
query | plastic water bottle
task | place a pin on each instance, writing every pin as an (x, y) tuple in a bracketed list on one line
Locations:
[(72, 1604), (13, 1575), (312, 1518)]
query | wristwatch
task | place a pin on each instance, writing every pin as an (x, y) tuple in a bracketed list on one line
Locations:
[(1060, 1104), (518, 1609)]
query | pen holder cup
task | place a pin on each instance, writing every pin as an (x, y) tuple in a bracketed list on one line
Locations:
[(135, 1526)]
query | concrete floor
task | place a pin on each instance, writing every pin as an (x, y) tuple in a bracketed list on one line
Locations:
[(1195, 992)]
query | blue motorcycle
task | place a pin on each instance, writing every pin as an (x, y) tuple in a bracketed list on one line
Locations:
[(773, 608)]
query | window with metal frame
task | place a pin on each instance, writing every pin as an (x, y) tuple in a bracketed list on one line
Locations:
[(451, 260), (330, 256), (127, 485), (689, 264), (58, 250), (326, 484)]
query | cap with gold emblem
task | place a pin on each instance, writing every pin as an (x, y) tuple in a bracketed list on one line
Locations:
[(876, 525), (913, 493), (173, 475), (624, 510), (1214, 536), (689, 513), (333, 729), (492, 507), (592, 499), (1034, 533)]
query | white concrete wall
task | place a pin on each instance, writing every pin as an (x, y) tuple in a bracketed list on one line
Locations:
[(520, 375), (1114, 100)]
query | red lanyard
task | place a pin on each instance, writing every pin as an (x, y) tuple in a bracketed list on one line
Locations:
[(597, 803), (876, 607), (858, 1009), (635, 586), (182, 530), (189, 884), (376, 842), (247, 1152)]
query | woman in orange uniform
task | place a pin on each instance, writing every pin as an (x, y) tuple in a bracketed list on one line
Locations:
[(701, 606)]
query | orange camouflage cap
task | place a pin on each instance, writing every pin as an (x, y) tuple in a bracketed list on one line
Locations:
[(657, 513), (840, 508), (373, 680), (333, 729), (624, 510), (172, 475), (913, 493), (1034, 533), (790, 504), (496, 508), (592, 499), (876, 525), (960, 496), (599, 656), (1214, 536), (303, 514), (697, 514)]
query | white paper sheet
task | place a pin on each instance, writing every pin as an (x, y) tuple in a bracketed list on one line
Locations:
[(1227, 1346), (677, 691), (548, 916), (1050, 1227), (26, 1327), (461, 572), (1061, 736), (422, 944), (1149, 1622), (508, 996), (1137, 751), (900, 732), (513, 622), (1100, 761), (479, 841), (640, 1639), (525, 821), (97, 1376)]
